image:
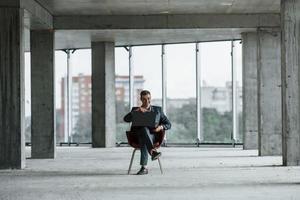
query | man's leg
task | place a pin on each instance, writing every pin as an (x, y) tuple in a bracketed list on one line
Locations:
[(144, 156), (146, 144)]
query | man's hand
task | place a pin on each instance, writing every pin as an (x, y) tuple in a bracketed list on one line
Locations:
[(158, 129), (141, 109)]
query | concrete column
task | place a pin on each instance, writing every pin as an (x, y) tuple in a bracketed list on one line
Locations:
[(42, 94), (290, 19), (250, 137), (12, 88), (269, 93), (103, 95)]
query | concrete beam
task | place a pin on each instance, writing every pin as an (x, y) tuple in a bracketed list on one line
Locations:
[(167, 21), (40, 18), (36, 16)]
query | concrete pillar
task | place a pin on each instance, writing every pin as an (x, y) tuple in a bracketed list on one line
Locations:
[(290, 19), (250, 137), (269, 93), (103, 95), (12, 88), (42, 94)]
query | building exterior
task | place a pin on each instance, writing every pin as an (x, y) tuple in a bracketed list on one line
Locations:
[(82, 94), (219, 98), (122, 88)]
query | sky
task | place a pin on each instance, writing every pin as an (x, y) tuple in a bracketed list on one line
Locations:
[(215, 64)]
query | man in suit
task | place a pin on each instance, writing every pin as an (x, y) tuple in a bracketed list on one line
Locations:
[(147, 135)]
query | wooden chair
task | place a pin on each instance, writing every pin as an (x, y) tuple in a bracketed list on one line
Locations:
[(134, 142)]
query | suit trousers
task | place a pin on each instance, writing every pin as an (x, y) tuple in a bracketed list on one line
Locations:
[(146, 140)]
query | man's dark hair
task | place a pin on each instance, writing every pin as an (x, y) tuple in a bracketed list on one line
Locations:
[(144, 92)]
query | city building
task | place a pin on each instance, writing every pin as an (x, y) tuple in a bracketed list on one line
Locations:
[(219, 98), (122, 88), (81, 96)]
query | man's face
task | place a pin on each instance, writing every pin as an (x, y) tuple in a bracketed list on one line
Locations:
[(146, 100)]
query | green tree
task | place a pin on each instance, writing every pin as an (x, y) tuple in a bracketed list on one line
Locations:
[(216, 127), (122, 108), (83, 128), (28, 129), (184, 125)]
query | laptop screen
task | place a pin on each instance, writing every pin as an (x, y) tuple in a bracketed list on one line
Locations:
[(149, 119)]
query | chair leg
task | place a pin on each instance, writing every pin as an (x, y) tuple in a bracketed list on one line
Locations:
[(131, 160), (161, 170)]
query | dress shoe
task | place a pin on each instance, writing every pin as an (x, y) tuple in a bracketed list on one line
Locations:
[(142, 171), (155, 155)]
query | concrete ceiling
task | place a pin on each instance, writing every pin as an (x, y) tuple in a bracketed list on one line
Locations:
[(82, 38), (146, 7)]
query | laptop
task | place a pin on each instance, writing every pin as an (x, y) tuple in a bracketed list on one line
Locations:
[(148, 119)]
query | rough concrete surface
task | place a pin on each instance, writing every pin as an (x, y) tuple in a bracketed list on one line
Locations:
[(250, 122), (189, 173)]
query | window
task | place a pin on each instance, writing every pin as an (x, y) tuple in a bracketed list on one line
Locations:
[(181, 93), (122, 92), (216, 91), (148, 73)]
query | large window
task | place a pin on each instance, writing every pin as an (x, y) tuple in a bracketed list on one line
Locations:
[(60, 73), (216, 91), (80, 109), (239, 85), (181, 93), (122, 92), (27, 98), (146, 65), (148, 73), (81, 96)]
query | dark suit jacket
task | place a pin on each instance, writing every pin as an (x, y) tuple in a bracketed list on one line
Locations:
[(163, 120)]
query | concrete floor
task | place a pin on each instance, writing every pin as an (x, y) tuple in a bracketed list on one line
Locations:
[(190, 173)]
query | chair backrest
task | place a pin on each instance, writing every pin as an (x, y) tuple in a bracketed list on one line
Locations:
[(132, 139), (134, 142)]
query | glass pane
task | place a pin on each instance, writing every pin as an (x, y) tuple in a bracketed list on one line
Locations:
[(148, 73), (80, 64), (216, 99), (122, 92), (239, 98), (27, 98), (81, 96), (60, 72), (181, 93)]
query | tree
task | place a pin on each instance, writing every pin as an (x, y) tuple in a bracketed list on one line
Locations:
[(83, 128), (28, 129), (122, 108), (216, 127)]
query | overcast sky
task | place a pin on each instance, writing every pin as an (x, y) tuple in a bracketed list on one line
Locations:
[(180, 59)]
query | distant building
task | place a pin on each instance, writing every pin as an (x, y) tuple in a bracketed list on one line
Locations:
[(82, 94), (219, 98), (122, 88)]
